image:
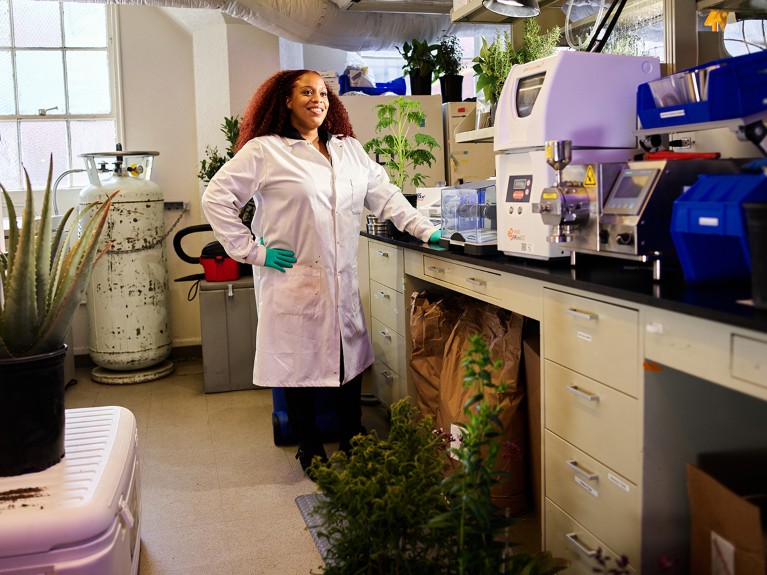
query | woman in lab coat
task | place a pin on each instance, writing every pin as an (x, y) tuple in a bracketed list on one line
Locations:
[(310, 178)]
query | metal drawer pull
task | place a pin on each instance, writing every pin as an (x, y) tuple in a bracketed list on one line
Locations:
[(588, 396), (581, 314), (581, 547), (582, 471), (386, 335), (476, 282), (388, 376), (382, 254), (382, 294), (436, 270)]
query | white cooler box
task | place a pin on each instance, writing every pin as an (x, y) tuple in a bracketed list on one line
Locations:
[(81, 516)]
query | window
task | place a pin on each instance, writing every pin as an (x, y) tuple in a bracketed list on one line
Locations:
[(745, 36), (57, 88)]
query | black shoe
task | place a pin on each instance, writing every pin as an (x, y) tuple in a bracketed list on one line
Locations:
[(305, 455), (345, 444)]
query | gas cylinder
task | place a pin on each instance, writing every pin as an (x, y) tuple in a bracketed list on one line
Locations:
[(128, 289)]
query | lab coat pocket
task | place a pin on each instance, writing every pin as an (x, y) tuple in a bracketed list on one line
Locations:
[(297, 291), (359, 189)]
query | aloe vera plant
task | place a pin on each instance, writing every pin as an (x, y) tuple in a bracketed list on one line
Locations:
[(44, 275)]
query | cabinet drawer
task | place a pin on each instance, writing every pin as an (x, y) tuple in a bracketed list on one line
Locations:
[(386, 383), (596, 418), (604, 502), (386, 265), (389, 346), (597, 339), (481, 282), (388, 306), (567, 538)]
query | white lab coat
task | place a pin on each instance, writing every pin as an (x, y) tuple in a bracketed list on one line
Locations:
[(305, 204)]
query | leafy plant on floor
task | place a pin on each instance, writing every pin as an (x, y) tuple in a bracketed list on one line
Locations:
[(395, 506), (396, 120), (214, 161)]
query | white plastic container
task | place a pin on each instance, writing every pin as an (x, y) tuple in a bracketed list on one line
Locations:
[(80, 516)]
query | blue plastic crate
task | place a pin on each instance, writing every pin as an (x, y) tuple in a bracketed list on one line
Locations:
[(708, 227), (397, 86), (736, 89)]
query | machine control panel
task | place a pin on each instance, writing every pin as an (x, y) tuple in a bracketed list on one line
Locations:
[(630, 191), (519, 188)]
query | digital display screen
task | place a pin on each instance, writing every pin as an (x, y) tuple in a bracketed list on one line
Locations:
[(629, 192), (520, 184), (527, 93)]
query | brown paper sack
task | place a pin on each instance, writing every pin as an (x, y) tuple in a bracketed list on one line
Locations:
[(431, 323), (502, 331)]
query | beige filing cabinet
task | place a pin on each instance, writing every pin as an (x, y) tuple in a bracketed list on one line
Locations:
[(228, 321), (387, 322), (592, 423)]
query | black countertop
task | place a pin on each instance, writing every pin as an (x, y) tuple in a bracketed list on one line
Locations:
[(617, 278)]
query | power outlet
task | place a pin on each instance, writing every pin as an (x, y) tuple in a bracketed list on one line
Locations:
[(176, 206)]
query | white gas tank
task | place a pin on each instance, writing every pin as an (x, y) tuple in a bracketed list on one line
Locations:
[(127, 293)]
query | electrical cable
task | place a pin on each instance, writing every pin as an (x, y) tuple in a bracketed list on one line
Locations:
[(601, 44), (599, 26), (569, 24)]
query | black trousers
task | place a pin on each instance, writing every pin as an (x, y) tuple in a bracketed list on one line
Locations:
[(301, 407)]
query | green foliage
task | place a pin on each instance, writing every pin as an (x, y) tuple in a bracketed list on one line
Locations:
[(380, 498), (396, 119), (389, 509), (495, 59), (43, 280), (448, 56), (420, 58), (214, 161)]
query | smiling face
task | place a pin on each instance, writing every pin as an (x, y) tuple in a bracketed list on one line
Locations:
[(308, 103)]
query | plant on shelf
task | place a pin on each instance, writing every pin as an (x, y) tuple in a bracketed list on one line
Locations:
[(404, 505), (420, 63), (396, 119), (448, 56), (495, 59), (213, 161)]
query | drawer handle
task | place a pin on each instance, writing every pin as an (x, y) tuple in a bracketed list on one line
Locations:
[(382, 254), (580, 546), (384, 334), (476, 282), (582, 471), (581, 314), (382, 294), (587, 395), (388, 376), (436, 270)]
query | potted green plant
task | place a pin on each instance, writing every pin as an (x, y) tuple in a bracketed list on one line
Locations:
[(448, 68), (403, 154), (420, 63), (401, 505), (495, 59), (44, 275), (213, 161)]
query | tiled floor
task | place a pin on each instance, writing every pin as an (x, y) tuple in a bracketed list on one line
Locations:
[(217, 495)]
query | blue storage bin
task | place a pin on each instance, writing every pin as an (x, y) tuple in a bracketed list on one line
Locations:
[(708, 227), (736, 89), (397, 86)]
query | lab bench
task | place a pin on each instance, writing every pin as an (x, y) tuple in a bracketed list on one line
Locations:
[(638, 377)]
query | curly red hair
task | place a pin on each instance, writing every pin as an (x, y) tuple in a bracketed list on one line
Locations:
[(267, 112)]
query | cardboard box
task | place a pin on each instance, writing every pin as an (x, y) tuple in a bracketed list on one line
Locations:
[(728, 504)]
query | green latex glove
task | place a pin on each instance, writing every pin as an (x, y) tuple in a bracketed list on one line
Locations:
[(278, 259), (434, 238)]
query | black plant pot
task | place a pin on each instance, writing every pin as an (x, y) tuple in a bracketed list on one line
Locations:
[(452, 88), (756, 221), (31, 412), (420, 85)]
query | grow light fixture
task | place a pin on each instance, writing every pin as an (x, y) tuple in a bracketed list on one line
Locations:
[(513, 8)]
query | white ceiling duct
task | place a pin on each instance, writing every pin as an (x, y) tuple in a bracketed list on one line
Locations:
[(321, 22)]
